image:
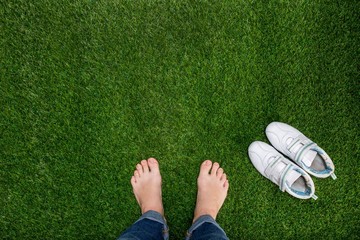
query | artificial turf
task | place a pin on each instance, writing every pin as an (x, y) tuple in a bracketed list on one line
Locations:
[(89, 88)]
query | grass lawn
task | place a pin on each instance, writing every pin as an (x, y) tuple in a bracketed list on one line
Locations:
[(89, 88)]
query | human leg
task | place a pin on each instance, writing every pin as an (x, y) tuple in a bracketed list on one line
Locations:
[(146, 183), (150, 226), (206, 228), (212, 191)]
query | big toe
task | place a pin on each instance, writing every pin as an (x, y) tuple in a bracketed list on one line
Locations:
[(153, 165), (205, 167)]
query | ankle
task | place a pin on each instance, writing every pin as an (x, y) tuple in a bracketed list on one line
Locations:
[(211, 213), (157, 209)]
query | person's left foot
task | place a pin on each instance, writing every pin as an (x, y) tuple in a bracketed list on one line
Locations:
[(212, 190), (146, 184)]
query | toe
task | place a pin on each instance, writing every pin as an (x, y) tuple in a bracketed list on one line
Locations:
[(205, 167), (223, 178), (133, 181), (153, 165), (219, 172), (145, 166), (214, 169), (226, 185), (136, 174), (140, 170)]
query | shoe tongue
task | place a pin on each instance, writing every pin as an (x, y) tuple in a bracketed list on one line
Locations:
[(309, 158), (292, 176)]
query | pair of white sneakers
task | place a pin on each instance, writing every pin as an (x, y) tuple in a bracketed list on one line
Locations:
[(290, 177)]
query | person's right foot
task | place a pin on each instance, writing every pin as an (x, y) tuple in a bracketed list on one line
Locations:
[(212, 190), (146, 184)]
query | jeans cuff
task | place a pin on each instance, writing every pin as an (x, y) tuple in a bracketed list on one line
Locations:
[(201, 220), (157, 217)]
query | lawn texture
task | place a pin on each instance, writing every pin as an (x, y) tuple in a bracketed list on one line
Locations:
[(90, 88)]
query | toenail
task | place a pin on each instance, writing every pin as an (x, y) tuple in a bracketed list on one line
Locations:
[(208, 162)]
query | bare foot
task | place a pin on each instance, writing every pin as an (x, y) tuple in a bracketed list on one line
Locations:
[(146, 184), (212, 190)]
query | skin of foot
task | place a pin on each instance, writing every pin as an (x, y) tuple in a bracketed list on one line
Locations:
[(212, 190), (146, 183)]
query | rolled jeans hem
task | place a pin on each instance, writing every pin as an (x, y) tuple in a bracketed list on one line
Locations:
[(153, 215), (201, 220), (149, 215)]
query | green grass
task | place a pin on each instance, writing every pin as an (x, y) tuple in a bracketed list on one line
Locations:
[(89, 88)]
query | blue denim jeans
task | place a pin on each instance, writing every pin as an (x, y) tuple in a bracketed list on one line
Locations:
[(152, 226)]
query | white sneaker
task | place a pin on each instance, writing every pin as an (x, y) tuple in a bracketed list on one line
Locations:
[(307, 154), (284, 173)]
